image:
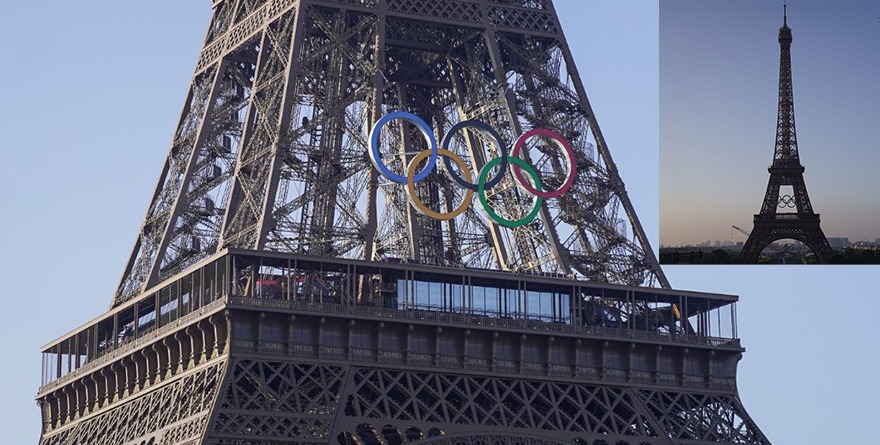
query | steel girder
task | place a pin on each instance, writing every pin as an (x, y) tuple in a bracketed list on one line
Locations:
[(802, 223), (175, 412), (249, 401), (269, 155), (805, 230), (245, 369), (276, 401), (270, 148)]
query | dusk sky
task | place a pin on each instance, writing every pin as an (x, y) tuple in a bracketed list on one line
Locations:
[(93, 91), (719, 83)]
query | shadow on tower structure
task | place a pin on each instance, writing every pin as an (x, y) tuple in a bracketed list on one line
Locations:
[(786, 189), (282, 291)]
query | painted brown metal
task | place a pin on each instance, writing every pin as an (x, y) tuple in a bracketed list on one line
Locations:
[(772, 224), (276, 291), (269, 150)]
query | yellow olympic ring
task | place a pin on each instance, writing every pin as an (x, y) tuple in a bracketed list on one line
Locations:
[(411, 185)]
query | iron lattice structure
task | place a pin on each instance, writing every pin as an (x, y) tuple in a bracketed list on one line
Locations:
[(281, 292), (786, 189), (270, 150)]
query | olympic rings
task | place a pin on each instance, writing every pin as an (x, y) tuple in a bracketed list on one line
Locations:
[(532, 185), (787, 201), (411, 186)]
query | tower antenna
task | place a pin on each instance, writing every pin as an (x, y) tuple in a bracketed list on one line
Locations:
[(784, 13)]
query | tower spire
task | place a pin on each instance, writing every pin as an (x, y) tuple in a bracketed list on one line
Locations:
[(785, 13), (786, 138)]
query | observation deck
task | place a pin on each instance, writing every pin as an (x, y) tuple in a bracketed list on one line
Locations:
[(392, 314), (273, 299)]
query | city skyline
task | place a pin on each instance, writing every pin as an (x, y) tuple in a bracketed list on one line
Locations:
[(719, 75), (836, 242)]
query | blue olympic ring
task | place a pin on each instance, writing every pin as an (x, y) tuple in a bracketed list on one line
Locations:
[(376, 157)]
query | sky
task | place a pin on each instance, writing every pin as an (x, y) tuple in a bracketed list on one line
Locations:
[(94, 89), (719, 83)]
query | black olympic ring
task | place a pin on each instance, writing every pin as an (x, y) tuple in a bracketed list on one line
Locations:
[(447, 142)]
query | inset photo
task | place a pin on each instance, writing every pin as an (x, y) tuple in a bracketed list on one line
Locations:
[(768, 118)]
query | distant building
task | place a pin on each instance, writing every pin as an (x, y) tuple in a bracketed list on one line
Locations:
[(839, 243)]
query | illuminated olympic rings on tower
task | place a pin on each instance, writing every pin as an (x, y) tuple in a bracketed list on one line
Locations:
[(531, 185)]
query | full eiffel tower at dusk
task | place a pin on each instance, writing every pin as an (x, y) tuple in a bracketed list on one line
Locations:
[(786, 189), (310, 272)]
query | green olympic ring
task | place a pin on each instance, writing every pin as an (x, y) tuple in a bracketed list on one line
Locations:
[(484, 203)]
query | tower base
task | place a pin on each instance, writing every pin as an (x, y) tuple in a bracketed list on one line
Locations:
[(804, 228)]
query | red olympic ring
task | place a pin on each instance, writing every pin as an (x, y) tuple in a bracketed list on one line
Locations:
[(560, 142)]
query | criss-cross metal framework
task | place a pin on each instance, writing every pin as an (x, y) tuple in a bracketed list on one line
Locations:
[(256, 348), (270, 150), (281, 291), (786, 212)]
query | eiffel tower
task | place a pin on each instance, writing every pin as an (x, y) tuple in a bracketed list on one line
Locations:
[(290, 286), (786, 189)]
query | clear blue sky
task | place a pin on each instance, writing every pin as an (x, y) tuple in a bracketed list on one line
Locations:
[(719, 83), (93, 90)]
